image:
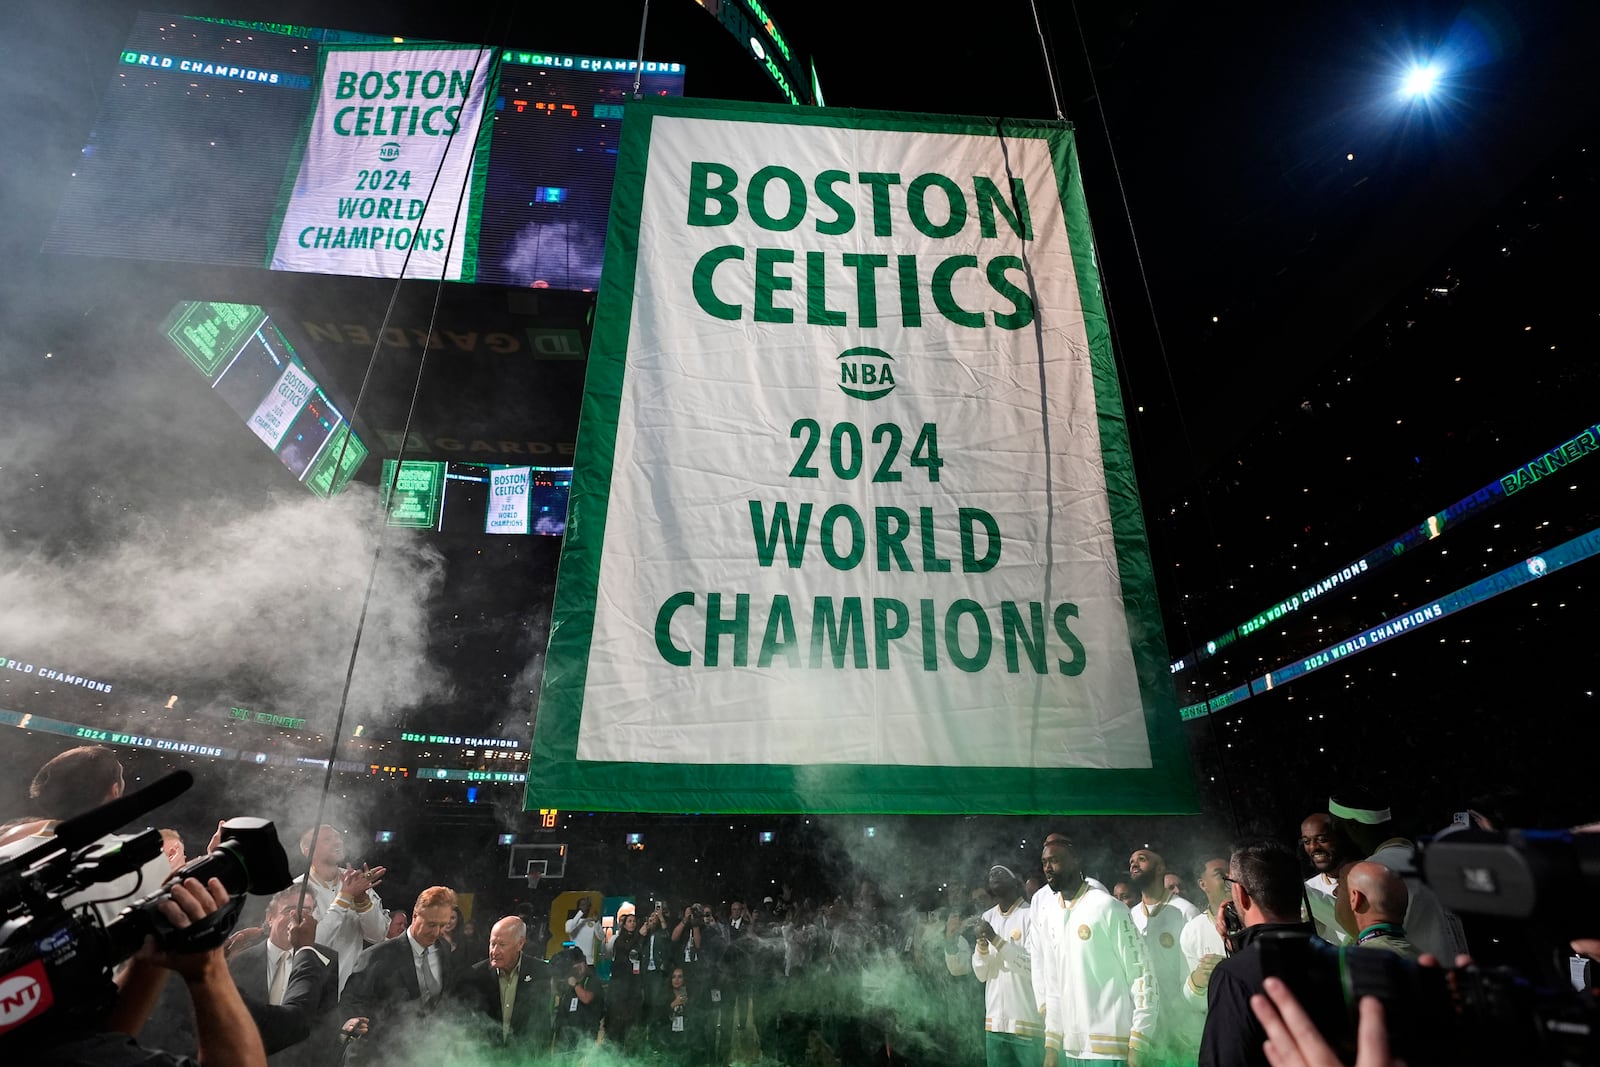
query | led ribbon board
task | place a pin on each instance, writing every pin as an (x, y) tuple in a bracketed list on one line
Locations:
[(820, 555), (1529, 570), (1434, 526), (759, 35)]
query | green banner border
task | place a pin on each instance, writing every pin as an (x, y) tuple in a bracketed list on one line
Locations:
[(556, 778), (479, 170)]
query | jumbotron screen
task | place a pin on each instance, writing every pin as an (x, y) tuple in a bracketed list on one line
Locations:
[(304, 149)]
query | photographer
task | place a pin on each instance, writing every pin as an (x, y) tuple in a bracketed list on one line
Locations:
[(1264, 879), (697, 948), (581, 1005), (227, 1036)]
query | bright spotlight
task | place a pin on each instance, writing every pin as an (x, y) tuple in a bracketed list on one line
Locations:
[(1420, 81)]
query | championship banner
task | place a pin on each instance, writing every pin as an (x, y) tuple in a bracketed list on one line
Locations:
[(277, 411), (853, 522), (509, 496), (385, 117)]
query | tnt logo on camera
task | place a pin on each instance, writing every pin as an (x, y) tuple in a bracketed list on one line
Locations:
[(24, 994)]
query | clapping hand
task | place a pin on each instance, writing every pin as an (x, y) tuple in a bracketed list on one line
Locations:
[(355, 881), (1200, 977)]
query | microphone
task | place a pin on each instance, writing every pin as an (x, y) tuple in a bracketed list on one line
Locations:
[(80, 830)]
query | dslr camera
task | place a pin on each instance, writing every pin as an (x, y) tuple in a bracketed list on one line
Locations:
[(57, 952)]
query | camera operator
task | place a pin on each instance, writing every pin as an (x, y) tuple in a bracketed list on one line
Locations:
[(1264, 880), (71, 783), (226, 1034), (579, 1007)]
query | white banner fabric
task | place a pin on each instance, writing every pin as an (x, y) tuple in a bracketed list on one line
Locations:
[(385, 118)]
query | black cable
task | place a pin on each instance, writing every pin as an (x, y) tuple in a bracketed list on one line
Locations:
[(1161, 347), (491, 78)]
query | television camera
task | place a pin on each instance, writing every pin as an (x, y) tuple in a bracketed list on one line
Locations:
[(58, 952), (1526, 879)]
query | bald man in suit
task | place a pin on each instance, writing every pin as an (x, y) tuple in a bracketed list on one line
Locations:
[(511, 988)]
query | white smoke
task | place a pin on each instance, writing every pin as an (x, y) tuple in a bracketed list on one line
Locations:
[(271, 594)]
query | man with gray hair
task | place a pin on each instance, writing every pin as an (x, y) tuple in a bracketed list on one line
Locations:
[(509, 987)]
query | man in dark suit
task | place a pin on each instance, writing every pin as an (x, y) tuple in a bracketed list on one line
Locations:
[(511, 988), (289, 983), (397, 982)]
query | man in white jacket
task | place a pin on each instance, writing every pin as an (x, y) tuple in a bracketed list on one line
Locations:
[(1160, 917), (580, 929), (1013, 1027), (346, 897), (1089, 965)]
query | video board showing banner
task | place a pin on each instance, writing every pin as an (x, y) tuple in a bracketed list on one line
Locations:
[(392, 128), (230, 142), (854, 520), (413, 496), (252, 366), (509, 496), (482, 497)]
